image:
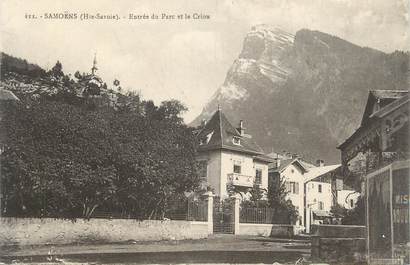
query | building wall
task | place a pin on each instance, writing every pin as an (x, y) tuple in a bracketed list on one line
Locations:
[(350, 195), (294, 174), (248, 168), (213, 159), (272, 230), (313, 196), (265, 169), (343, 244), (220, 164)]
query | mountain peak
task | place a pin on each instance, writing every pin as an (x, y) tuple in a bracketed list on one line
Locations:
[(304, 93)]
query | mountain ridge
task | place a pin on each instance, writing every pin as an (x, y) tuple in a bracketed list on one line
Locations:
[(304, 95)]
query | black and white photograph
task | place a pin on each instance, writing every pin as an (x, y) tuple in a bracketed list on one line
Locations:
[(204, 132)]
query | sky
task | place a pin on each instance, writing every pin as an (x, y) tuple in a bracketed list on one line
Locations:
[(183, 59)]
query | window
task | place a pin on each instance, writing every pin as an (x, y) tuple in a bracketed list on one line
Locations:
[(236, 140), (321, 206), (237, 168), (206, 139), (209, 136), (351, 203), (258, 176), (292, 187), (292, 171), (202, 169), (319, 187)]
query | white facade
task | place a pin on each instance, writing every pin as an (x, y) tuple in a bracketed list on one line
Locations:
[(293, 176), (319, 196), (220, 170), (347, 198), (230, 158)]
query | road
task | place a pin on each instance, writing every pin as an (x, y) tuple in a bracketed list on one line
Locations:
[(215, 249)]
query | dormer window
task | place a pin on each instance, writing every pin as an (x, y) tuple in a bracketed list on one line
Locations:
[(236, 140), (206, 139)]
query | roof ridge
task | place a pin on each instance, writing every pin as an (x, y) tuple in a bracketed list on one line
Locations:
[(393, 90), (220, 125)]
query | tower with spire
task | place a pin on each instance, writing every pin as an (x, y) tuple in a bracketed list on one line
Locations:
[(94, 68)]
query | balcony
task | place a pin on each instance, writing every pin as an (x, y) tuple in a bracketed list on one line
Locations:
[(241, 180)]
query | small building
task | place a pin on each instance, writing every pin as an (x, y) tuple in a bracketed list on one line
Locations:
[(320, 196), (309, 188), (228, 157), (376, 158)]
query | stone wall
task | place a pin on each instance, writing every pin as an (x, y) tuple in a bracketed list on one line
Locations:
[(342, 231), (34, 231), (272, 230), (338, 243)]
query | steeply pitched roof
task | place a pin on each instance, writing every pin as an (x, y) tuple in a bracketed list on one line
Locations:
[(382, 97), (286, 162), (218, 133), (391, 98), (390, 107)]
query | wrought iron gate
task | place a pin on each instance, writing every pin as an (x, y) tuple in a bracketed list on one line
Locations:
[(223, 217)]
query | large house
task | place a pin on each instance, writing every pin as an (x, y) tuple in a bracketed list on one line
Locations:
[(229, 158), (376, 158)]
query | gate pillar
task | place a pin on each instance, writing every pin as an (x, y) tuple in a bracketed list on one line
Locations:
[(210, 212), (236, 199)]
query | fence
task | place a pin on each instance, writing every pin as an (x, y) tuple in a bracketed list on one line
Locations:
[(185, 210), (256, 215)]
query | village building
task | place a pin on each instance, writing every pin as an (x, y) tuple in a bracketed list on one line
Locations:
[(312, 189), (376, 159), (292, 171), (229, 158)]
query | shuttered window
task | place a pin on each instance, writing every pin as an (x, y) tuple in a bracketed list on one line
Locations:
[(292, 187)]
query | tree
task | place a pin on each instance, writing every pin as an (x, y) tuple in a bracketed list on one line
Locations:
[(57, 70), (357, 215), (64, 160), (284, 211), (338, 211), (257, 196), (78, 75)]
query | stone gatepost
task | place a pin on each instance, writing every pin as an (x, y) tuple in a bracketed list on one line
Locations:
[(236, 199), (308, 216), (210, 199)]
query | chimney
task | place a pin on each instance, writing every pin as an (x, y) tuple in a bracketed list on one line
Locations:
[(241, 129), (277, 162), (320, 163)]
